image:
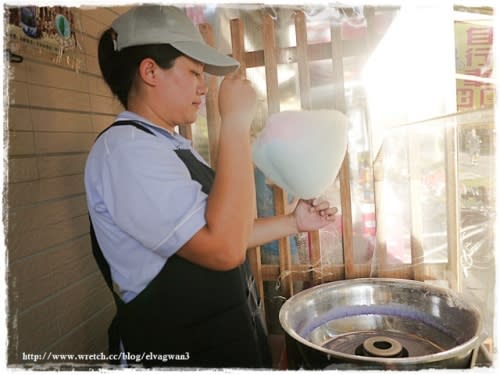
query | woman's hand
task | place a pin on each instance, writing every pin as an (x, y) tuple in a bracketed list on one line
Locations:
[(307, 216), (237, 101), (313, 214)]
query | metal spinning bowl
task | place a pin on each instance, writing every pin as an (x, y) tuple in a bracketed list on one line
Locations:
[(381, 323)]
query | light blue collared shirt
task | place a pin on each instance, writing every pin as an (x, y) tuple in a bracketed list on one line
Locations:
[(142, 201)]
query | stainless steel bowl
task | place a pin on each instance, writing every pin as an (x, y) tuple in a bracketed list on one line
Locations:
[(381, 324)]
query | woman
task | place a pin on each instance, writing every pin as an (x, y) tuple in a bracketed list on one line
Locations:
[(169, 234)]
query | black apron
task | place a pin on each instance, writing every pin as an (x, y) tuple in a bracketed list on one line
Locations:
[(188, 315)]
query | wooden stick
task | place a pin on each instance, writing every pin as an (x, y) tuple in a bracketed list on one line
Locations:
[(315, 52), (302, 272)]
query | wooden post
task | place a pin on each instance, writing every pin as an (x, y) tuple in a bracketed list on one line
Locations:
[(452, 204), (271, 65), (211, 102), (238, 52), (302, 61), (273, 104), (186, 131), (344, 174), (238, 43), (306, 103), (417, 250), (285, 276), (380, 253)]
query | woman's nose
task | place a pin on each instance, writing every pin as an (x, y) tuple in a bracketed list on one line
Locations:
[(203, 87)]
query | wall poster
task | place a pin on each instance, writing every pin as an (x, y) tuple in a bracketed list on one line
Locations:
[(44, 31)]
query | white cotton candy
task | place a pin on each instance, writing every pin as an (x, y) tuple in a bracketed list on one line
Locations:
[(302, 151)]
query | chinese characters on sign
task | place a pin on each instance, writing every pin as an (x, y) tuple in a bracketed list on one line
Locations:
[(474, 57)]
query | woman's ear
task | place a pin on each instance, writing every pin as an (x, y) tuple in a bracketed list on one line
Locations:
[(148, 70)]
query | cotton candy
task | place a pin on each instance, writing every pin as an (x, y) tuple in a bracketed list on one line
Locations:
[(302, 151)]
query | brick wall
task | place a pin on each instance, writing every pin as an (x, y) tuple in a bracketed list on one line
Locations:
[(57, 299)]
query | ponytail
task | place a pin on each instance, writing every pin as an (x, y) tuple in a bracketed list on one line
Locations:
[(107, 55), (111, 67)]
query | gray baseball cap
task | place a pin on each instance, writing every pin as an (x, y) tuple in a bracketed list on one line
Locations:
[(157, 24)]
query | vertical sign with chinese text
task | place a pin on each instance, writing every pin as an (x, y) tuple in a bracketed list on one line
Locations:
[(474, 57)]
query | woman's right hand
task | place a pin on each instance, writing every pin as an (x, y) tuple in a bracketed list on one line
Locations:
[(237, 101)]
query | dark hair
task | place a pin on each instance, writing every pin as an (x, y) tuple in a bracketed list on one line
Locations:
[(119, 68)]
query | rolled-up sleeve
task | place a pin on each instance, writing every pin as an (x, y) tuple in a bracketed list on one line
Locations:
[(150, 195)]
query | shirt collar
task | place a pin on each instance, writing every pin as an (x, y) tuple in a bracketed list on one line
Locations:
[(177, 139)]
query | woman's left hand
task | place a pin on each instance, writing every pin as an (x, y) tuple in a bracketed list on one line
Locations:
[(313, 214)]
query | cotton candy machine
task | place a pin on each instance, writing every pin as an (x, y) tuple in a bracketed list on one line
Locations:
[(380, 324)]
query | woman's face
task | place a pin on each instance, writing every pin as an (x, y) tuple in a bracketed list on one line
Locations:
[(180, 91)]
